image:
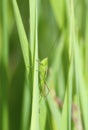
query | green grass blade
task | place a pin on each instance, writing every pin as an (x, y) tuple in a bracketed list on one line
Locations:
[(35, 99), (69, 94), (26, 55), (71, 55), (22, 36), (82, 87), (32, 27), (4, 67), (67, 107), (59, 11), (77, 89), (55, 112), (26, 106), (61, 83), (59, 51), (43, 114), (35, 102), (0, 41), (5, 31), (86, 46), (64, 115)]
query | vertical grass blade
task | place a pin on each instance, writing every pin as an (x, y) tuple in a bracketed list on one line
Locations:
[(42, 114), (26, 105), (78, 113), (0, 41), (67, 107), (35, 100), (4, 75), (55, 113), (27, 60), (64, 115), (70, 77), (34, 43), (5, 32), (22, 36), (59, 51), (70, 84), (32, 4), (59, 11), (82, 87), (81, 90), (86, 44)]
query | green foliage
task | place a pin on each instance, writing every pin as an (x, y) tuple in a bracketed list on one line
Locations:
[(60, 79)]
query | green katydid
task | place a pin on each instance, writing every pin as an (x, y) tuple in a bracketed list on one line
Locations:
[(43, 68)]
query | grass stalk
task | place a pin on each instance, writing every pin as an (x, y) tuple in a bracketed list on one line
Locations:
[(4, 76), (5, 32), (86, 45), (34, 53), (26, 105), (26, 108), (32, 7), (23, 38)]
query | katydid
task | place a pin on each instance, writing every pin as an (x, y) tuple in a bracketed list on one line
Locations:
[(43, 68)]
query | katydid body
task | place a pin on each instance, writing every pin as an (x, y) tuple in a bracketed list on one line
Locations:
[(43, 68)]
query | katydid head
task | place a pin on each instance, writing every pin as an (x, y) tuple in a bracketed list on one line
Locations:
[(44, 62)]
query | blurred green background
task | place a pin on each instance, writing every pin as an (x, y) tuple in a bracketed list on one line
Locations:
[(50, 29)]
